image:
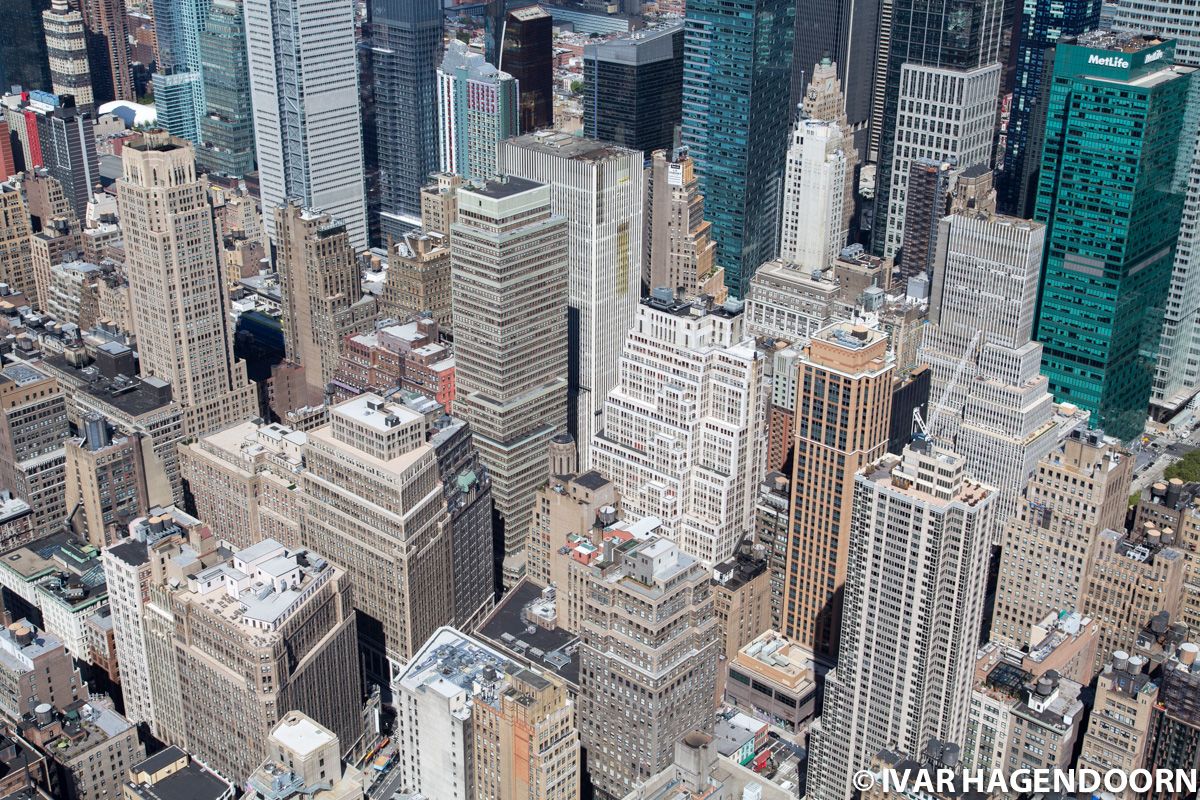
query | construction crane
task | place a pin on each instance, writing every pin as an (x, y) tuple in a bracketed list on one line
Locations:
[(926, 429)]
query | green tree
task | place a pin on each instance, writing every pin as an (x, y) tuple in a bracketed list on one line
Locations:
[(1186, 469)]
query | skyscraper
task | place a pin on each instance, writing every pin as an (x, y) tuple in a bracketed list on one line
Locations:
[(176, 83), (178, 296), (23, 60), (927, 201), (1107, 274), (920, 536), (598, 188), (679, 251), (841, 425), (1177, 374), (307, 118), (528, 56), (322, 299), (66, 45), (16, 257), (107, 24), (825, 99), (1043, 24), (982, 307), (68, 150), (633, 88), (670, 668), (227, 124), (941, 44), (736, 116), (508, 281), (946, 114), (684, 434), (477, 109), (407, 47), (373, 499), (33, 430), (814, 196)]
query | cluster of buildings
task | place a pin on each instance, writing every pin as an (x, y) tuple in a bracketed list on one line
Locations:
[(368, 432)]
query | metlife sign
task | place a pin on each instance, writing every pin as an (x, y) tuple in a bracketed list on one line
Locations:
[(1109, 61), (1119, 64)]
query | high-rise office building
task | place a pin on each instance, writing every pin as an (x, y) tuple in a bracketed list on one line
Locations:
[(107, 24), (944, 114), (177, 81), (598, 188), (528, 55), (684, 434), (105, 482), (995, 404), (1177, 373), (66, 46), (680, 253), (949, 73), (633, 88), (473, 723), (304, 760), (920, 537), (1107, 275), (16, 256), (1046, 546), (280, 615), (736, 117), (670, 668), (477, 109), (373, 500), (227, 122), (66, 147), (307, 118), (509, 289), (23, 60), (814, 196), (33, 430), (824, 99), (322, 299), (842, 406), (418, 279), (178, 297), (927, 199), (406, 36), (1119, 724), (1042, 24)]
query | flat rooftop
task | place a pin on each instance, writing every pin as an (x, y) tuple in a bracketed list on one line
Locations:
[(500, 188), (554, 650), (566, 145)]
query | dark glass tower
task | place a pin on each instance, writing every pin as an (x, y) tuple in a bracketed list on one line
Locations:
[(23, 59), (227, 127), (1043, 22), (736, 119), (956, 34), (633, 89), (407, 48), (529, 57), (107, 24), (1110, 194)]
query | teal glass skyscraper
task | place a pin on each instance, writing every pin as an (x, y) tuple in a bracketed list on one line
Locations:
[(1110, 194), (736, 118), (227, 127)]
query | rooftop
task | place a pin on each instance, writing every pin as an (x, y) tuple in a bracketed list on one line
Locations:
[(566, 145), (1117, 41), (509, 630), (502, 187), (451, 663)]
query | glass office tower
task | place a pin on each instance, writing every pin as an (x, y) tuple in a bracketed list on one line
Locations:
[(736, 120), (1110, 195)]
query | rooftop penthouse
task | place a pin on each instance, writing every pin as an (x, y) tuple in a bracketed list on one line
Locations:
[(260, 587)]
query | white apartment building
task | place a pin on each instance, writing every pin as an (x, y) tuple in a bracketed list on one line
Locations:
[(598, 187), (814, 195), (684, 436), (915, 584), (303, 61), (944, 114)]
